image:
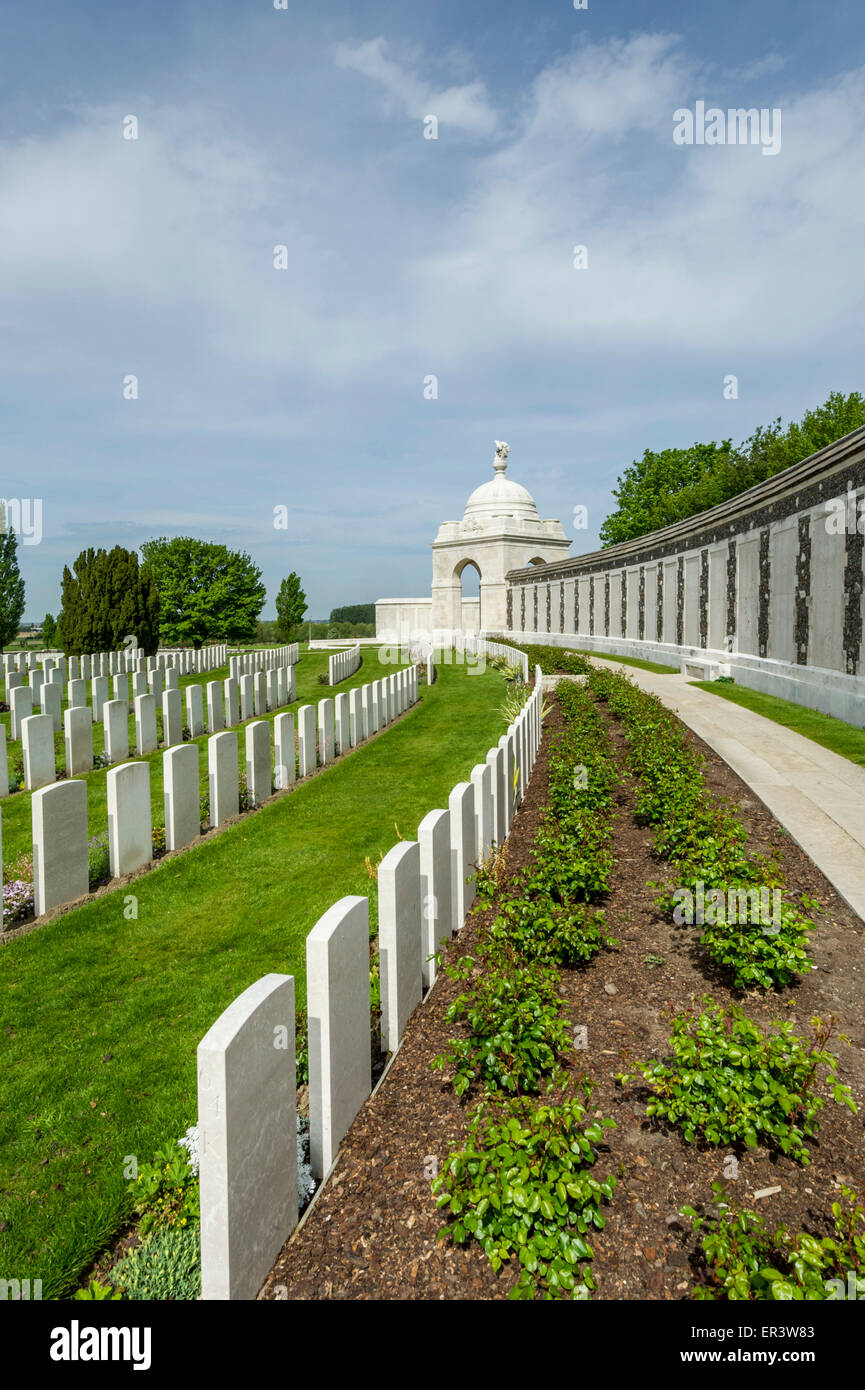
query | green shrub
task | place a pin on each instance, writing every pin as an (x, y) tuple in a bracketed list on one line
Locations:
[(97, 1292), (522, 1187), (704, 840), (744, 1261), (512, 1010), (729, 1082), (558, 934), (166, 1191), (553, 660)]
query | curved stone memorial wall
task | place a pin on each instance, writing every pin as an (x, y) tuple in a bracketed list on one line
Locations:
[(766, 587)]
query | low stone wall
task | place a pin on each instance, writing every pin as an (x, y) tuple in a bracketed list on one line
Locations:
[(770, 583), (246, 1087)]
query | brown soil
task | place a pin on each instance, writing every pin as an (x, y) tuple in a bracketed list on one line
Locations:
[(372, 1232)]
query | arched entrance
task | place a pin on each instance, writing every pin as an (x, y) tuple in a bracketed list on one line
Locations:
[(467, 575)]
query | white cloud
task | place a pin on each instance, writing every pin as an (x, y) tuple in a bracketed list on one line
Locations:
[(690, 249), (760, 67), (465, 107)]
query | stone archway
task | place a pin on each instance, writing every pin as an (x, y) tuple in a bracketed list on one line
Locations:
[(467, 576)]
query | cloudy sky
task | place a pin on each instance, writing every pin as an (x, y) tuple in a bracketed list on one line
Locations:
[(406, 258)]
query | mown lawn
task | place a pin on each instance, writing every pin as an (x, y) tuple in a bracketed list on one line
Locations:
[(847, 740), (637, 661), (15, 809), (100, 1015)]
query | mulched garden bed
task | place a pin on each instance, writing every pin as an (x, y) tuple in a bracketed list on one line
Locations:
[(372, 1233)]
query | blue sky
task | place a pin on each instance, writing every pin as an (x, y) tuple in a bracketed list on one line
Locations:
[(407, 257)]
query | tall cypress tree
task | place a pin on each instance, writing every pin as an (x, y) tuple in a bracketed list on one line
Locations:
[(11, 588), (105, 599)]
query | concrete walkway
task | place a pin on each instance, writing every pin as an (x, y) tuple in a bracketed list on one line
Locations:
[(816, 795)]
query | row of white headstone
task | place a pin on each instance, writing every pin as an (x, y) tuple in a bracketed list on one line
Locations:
[(227, 703), (483, 647), (266, 685), (45, 687), (59, 810), (343, 664), (247, 663), (187, 661), (247, 1061)]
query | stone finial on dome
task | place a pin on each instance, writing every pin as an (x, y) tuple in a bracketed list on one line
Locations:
[(500, 462)]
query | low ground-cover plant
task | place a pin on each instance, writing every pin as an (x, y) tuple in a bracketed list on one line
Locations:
[(755, 955), (559, 934), (553, 660), (745, 1261), (166, 1191), (98, 861), (517, 694), (729, 1082), (18, 894), (705, 842), (523, 1188), (165, 1266), (516, 1035)]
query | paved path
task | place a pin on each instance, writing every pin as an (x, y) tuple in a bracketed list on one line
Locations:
[(816, 795)]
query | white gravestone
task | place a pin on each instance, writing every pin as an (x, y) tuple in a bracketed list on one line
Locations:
[(78, 738), (337, 992), (399, 940), (283, 750), (181, 795), (222, 776), (258, 761), (59, 820), (130, 827), (37, 740), (247, 1122), (436, 887)]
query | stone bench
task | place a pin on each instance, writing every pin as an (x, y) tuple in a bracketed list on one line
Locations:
[(698, 668)]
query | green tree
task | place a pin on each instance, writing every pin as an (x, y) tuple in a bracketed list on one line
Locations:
[(675, 484), (49, 630), (651, 493), (354, 613), (11, 588), (206, 591), (290, 606), (106, 597)]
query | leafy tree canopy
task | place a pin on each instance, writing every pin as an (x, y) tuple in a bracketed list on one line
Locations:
[(290, 606), (11, 588), (49, 630), (206, 591), (670, 485), (354, 613), (105, 597)]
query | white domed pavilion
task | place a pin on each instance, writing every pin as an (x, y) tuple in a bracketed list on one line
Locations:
[(500, 531)]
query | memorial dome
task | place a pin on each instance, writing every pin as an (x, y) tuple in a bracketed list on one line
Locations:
[(500, 497)]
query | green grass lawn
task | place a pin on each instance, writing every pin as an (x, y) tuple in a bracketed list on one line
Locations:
[(15, 809), (100, 1015), (844, 739), (637, 661)]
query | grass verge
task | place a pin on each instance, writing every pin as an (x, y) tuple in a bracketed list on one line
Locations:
[(844, 739)]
